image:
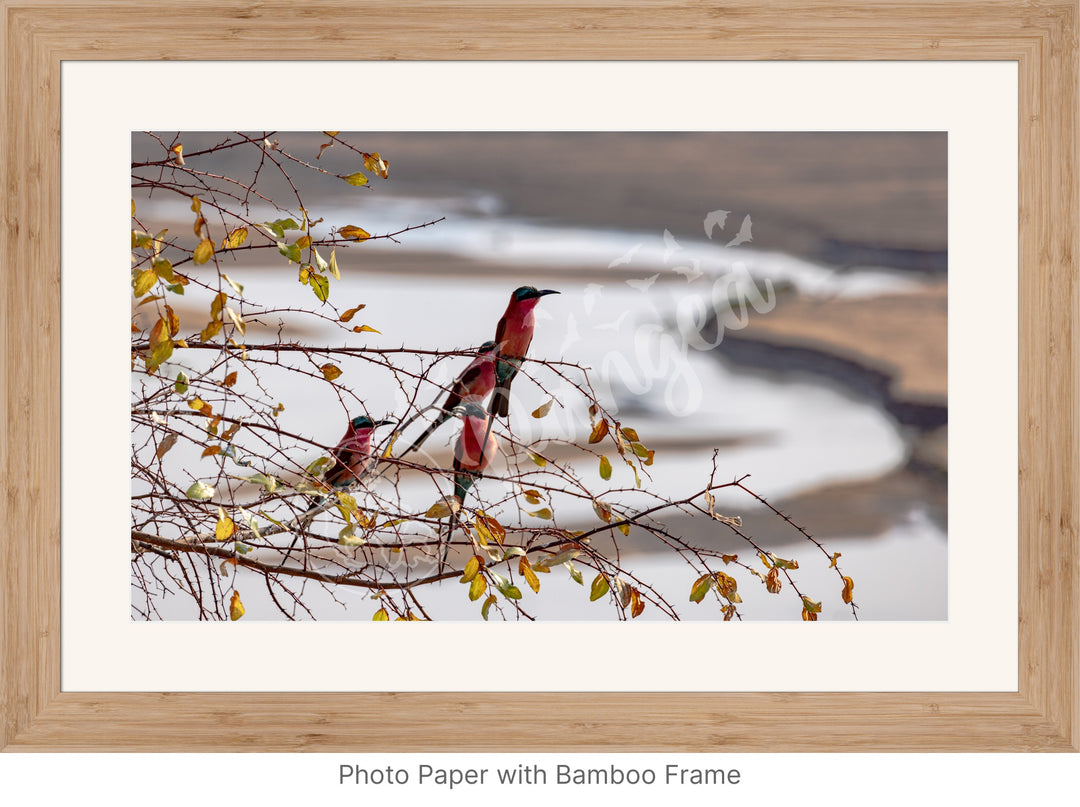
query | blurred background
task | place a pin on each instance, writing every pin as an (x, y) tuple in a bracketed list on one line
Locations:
[(778, 297)]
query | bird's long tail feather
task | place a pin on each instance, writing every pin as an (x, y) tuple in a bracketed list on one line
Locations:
[(440, 420)]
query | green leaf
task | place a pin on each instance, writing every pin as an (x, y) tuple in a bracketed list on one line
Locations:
[(701, 588), (605, 468), (599, 588), (290, 251), (357, 179), (200, 492), (321, 286), (575, 574), (490, 601), (320, 262)]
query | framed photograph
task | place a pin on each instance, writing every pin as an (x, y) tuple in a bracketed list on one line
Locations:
[(815, 311)]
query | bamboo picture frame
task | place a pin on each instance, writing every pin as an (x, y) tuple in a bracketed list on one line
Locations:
[(1044, 715)]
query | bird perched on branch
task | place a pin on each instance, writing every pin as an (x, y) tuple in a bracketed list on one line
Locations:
[(472, 386), (476, 448), (513, 336), (351, 458)]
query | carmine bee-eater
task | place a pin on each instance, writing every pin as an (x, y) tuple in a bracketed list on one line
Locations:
[(351, 458), (350, 461), (476, 448), (472, 386), (513, 336)]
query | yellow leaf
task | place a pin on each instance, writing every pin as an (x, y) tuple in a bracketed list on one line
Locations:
[(543, 512), (348, 315), (353, 233), (599, 588), (164, 270), (599, 431), (494, 528), (210, 451), (477, 587), (729, 559), (381, 616), (525, 568), (218, 304), (835, 557), (637, 604), (849, 587), (330, 371), (144, 282), (442, 508), (624, 528), (537, 459), (472, 568), (365, 329), (196, 204), (159, 333), (236, 320), (541, 411), (235, 238), (303, 242), (211, 330), (605, 468), (357, 179), (630, 434), (203, 252), (236, 608), (225, 527), (532, 496), (376, 164)]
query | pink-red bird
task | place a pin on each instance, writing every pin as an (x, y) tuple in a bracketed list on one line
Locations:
[(514, 335), (472, 386)]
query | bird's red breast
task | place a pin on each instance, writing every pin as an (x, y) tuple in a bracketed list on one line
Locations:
[(515, 330), (467, 453)]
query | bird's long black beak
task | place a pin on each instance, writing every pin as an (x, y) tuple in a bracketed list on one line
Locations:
[(378, 423), (542, 292)]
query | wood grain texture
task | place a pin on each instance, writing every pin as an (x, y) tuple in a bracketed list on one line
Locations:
[(1040, 36)]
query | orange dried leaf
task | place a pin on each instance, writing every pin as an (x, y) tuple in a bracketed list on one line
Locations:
[(599, 431), (348, 315)]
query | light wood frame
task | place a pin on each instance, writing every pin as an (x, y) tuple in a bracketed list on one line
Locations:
[(35, 715)]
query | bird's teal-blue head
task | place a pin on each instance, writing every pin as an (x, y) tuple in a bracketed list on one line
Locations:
[(488, 347), (523, 293), (364, 422)]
